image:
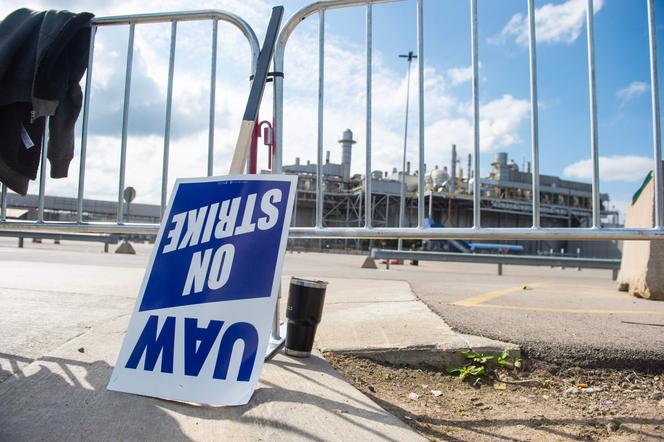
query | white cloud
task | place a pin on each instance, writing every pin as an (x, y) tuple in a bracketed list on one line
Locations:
[(554, 23), (459, 76), (499, 123), (625, 168), (448, 119), (634, 90)]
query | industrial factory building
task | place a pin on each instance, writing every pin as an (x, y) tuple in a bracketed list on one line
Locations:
[(506, 202), (506, 199)]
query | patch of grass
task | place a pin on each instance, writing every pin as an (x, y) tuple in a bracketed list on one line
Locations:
[(481, 365)]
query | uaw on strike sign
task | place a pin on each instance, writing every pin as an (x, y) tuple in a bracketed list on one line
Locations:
[(202, 321)]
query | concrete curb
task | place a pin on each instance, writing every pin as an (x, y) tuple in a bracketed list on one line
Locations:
[(385, 321)]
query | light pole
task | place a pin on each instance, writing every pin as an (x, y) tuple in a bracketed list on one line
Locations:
[(402, 201)]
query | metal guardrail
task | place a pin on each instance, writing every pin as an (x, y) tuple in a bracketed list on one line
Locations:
[(535, 232), (519, 260), (57, 236), (214, 16)]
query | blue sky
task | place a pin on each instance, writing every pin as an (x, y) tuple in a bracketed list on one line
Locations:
[(625, 137), (623, 79)]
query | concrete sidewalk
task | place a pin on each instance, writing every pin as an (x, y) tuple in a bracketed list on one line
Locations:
[(64, 317), (63, 396)]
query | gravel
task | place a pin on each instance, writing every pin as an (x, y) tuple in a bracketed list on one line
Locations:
[(564, 404)]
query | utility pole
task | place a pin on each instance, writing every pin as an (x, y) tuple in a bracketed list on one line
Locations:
[(402, 201)]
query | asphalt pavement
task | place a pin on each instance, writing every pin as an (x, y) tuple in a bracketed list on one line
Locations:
[(563, 316)]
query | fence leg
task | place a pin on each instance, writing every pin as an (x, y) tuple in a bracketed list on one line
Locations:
[(614, 274), (20, 242), (105, 247), (387, 264), (278, 333), (276, 323), (500, 270)]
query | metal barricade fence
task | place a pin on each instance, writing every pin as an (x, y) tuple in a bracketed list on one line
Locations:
[(536, 231), (120, 226)]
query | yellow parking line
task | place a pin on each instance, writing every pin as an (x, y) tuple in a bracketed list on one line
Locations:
[(568, 310), (479, 299)]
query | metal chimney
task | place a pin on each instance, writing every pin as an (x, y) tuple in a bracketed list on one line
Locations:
[(470, 165), (453, 169), (346, 142)]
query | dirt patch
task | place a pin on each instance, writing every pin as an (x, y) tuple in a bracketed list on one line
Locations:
[(569, 404)]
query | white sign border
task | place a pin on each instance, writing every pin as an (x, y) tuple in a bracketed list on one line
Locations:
[(276, 282)]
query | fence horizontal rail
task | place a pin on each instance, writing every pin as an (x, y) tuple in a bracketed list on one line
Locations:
[(545, 261), (161, 17), (112, 239), (96, 227), (486, 233)]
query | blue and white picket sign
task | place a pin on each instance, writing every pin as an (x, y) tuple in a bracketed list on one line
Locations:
[(202, 321)]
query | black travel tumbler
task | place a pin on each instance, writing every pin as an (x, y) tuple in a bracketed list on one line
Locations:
[(304, 312)]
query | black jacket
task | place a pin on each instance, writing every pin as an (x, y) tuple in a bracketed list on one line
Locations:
[(43, 56)]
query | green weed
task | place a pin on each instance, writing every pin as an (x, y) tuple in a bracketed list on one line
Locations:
[(480, 365)]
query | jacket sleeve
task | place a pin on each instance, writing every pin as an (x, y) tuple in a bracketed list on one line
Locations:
[(61, 132), (62, 67)]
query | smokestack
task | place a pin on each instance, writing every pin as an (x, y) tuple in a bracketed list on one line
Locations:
[(470, 164), (453, 169), (408, 167), (327, 157), (528, 167), (297, 161), (346, 142)]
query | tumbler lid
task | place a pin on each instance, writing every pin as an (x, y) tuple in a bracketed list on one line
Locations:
[(314, 283)]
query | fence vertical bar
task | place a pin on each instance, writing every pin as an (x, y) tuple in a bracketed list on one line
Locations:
[(84, 127), (213, 96), (420, 84), (321, 91), (42, 172), (534, 117), (594, 148), (278, 108), (402, 194), (368, 214), (167, 124), (3, 210), (656, 128), (476, 116), (125, 121)]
